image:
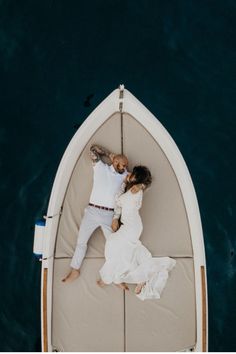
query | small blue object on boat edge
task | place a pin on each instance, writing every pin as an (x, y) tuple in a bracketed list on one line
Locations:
[(40, 222)]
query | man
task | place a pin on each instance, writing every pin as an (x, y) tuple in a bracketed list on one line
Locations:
[(110, 170)]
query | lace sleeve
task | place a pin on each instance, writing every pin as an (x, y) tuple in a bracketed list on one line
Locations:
[(139, 199), (117, 207)]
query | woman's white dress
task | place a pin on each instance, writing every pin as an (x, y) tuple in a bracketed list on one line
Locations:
[(127, 260)]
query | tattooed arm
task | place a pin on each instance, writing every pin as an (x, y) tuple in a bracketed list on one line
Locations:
[(98, 152)]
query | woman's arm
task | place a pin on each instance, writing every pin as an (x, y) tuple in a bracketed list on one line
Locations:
[(117, 208), (139, 200)]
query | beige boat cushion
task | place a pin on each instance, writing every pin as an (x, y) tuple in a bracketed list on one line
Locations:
[(88, 318), (78, 193), (166, 229), (168, 324)]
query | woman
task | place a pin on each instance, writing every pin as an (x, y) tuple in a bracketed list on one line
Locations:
[(127, 260)]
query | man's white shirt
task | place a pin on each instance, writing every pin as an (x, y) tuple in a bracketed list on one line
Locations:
[(106, 184)]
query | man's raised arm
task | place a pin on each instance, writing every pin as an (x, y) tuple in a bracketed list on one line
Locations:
[(98, 152)]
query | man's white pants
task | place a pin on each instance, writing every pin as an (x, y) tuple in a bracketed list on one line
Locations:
[(92, 219)]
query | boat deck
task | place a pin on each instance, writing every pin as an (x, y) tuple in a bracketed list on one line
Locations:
[(88, 318)]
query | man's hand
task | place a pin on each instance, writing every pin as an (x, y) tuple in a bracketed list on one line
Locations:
[(136, 188), (115, 225), (98, 152), (111, 156)]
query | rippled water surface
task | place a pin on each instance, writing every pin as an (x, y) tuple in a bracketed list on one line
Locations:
[(58, 60)]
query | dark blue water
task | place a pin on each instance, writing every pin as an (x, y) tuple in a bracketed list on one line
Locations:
[(58, 60)]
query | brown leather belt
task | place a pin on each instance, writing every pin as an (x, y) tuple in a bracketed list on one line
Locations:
[(101, 207)]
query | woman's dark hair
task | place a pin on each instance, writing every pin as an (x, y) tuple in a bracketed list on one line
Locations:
[(142, 175)]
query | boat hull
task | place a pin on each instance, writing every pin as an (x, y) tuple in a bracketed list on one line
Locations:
[(172, 227)]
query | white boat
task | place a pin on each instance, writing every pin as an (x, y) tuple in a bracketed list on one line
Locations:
[(80, 316)]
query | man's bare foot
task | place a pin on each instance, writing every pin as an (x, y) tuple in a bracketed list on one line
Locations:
[(122, 286), (100, 283), (138, 288), (74, 274)]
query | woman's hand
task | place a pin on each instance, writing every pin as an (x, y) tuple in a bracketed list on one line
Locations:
[(126, 180), (137, 187), (115, 225)]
